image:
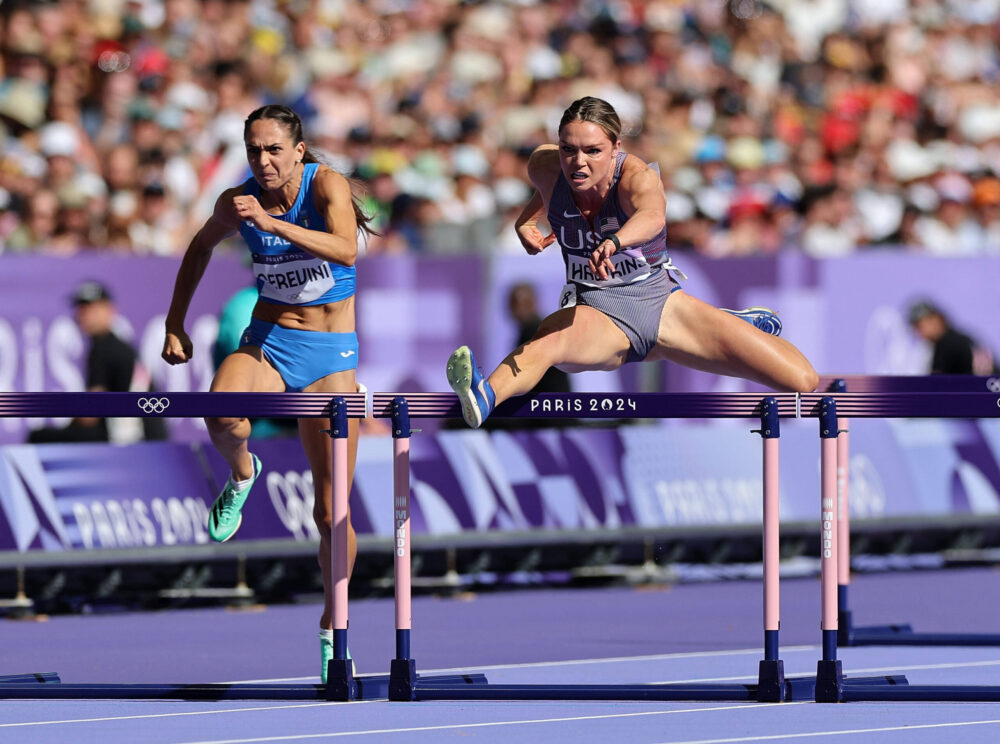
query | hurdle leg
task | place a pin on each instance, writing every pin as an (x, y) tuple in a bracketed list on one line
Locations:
[(844, 619), (340, 684), (402, 669), (829, 677), (771, 672)]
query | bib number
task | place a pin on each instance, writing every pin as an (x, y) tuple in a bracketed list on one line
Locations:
[(567, 297)]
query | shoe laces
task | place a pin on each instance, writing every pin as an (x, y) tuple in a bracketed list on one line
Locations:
[(227, 501)]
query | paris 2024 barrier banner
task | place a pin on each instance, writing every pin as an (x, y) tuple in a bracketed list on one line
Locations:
[(847, 315), (57, 498)]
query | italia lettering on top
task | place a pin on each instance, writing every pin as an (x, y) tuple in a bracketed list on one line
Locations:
[(273, 241)]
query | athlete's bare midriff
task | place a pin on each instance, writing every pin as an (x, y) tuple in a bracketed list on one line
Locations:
[(333, 317)]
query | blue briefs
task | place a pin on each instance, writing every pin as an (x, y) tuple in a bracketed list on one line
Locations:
[(302, 357)]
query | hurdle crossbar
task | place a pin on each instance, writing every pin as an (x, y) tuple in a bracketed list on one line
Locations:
[(611, 406)]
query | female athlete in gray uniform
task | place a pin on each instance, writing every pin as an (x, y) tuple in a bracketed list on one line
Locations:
[(300, 222), (607, 212)]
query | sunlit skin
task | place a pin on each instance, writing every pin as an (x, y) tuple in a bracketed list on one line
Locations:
[(587, 159), (276, 164)]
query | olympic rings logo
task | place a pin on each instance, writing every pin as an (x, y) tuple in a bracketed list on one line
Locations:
[(154, 405)]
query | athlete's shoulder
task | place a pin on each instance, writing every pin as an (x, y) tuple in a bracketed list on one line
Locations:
[(544, 156), (637, 173), (328, 182), (543, 165)]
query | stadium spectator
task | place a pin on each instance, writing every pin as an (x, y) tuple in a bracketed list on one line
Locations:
[(953, 351), (785, 97), (112, 366)]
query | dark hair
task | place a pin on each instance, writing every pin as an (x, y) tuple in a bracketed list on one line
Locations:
[(287, 118), (596, 111), (923, 308)]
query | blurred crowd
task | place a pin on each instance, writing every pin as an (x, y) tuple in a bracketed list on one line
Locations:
[(825, 126)]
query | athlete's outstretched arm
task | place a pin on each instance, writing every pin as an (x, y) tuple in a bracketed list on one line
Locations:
[(641, 194), (177, 347), (531, 237)]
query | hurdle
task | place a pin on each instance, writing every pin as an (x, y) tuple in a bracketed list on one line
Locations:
[(771, 686), (832, 686), (341, 683), (896, 634)]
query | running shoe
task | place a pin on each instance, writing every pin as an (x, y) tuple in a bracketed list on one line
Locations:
[(763, 318), (226, 517), (326, 653), (474, 391)]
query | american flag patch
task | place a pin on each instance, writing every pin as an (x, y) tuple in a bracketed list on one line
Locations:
[(611, 223)]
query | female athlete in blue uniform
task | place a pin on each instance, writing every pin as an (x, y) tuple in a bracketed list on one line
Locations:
[(607, 211), (300, 222)]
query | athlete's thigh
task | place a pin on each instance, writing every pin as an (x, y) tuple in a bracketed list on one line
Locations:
[(316, 443), (698, 334), (246, 370), (583, 339)]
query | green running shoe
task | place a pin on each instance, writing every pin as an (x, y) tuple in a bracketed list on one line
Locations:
[(326, 653), (226, 517)]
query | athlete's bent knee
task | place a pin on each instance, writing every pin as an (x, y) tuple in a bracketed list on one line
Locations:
[(807, 380), (222, 425)]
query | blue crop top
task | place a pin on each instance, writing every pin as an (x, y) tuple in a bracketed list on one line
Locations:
[(286, 274)]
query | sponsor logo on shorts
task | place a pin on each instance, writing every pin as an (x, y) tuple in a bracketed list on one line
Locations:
[(346, 354)]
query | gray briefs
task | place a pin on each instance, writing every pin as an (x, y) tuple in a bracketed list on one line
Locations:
[(635, 308)]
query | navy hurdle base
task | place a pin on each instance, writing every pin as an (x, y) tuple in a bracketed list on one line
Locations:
[(896, 634)]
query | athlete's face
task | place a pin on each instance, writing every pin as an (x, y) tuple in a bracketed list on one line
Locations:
[(272, 155), (586, 155)]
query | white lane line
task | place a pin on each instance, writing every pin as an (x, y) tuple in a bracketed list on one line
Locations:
[(568, 662), (915, 667), (853, 672), (845, 732), (416, 729), (847, 678), (179, 713)]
